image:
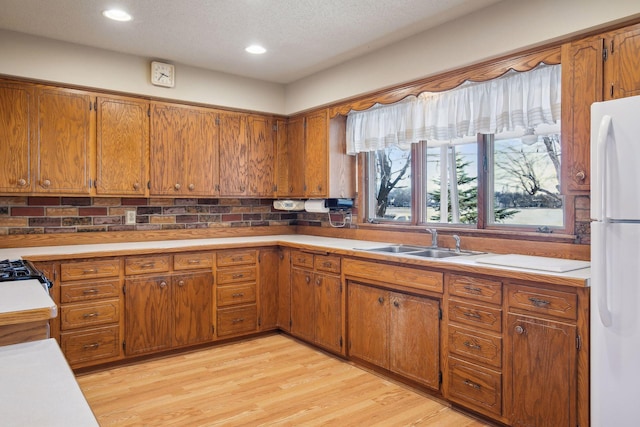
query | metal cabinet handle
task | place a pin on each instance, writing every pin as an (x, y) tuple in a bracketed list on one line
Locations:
[(238, 295), (136, 186), (177, 186), (193, 261), (519, 330), (380, 300), (148, 265), (237, 276), (22, 182), (237, 320), (163, 284), (46, 183), (181, 283), (307, 279), (472, 314), (90, 291), (396, 304), (91, 346), (90, 315), (472, 384), (539, 302), (472, 345), (581, 175), (473, 289), (90, 271), (318, 281), (192, 187)]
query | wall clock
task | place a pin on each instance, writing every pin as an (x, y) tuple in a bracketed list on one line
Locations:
[(163, 74)]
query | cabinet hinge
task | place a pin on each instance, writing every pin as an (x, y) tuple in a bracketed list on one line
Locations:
[(124, 289), (259, 257), (605, 53), (440, 377), (611, 90), (95, 105), (217, 121), (124, 345), (290, 323), (439, 313), (275, 127), (340, 287), (340, 342), (149, 112), (578, 342), (275, 187), (149, 185), (259, 321), (213, 329)]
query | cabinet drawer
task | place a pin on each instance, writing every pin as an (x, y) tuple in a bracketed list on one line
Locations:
[(91, 314), (192, 261), (90, 269), (302, 259), (475, 345), (231, 258), (543, 301), (83, 291), (475, 315), (237, 275), (82, 346), (146, 264), (475, 387), (233, 321), (329, 263), (233, 295), (475, 288)]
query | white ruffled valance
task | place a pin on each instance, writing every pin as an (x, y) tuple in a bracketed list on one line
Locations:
[(517, 100)]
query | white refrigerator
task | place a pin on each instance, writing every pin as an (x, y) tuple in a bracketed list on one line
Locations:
[(615, 263)]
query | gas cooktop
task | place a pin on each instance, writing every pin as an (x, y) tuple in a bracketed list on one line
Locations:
[(11, 270)]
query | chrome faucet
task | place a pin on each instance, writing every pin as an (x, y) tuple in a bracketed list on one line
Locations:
[(434, 236), (457, 239)]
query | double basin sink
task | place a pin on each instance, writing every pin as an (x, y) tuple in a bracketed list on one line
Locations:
[(420, 251)]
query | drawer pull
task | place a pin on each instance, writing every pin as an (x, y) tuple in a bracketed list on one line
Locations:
[(472, 314), (473, 289), (91, 346), (539, 302), (519, 330), (90, 291), (380, 300), (472, 345), (307, 279), (90, 315), (472, 384), (237, 320), (327, 264), (238, 295), (181, 283), (318, 281), (238, 276), (90, 271), (237, 258), (148, 265), (163, 284), (193, 261), (396, 304)]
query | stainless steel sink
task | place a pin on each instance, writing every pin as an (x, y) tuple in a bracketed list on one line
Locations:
[(437, 253), (396, 249)]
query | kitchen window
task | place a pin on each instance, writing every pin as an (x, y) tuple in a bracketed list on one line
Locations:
[(483, 155)]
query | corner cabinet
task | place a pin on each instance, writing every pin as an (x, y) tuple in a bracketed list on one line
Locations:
[(318, 166)]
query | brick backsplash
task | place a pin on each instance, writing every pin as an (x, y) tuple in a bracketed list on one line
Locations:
[(38, 215)]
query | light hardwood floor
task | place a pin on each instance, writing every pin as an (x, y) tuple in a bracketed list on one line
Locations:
[(267, 381)]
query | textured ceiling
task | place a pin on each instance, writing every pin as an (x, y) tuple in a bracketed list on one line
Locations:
[(302, 36)]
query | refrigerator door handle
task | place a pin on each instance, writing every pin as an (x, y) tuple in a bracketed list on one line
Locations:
[(598, 192), (599, 271)]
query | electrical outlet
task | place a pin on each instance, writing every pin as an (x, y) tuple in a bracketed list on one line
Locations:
[(130, 217)]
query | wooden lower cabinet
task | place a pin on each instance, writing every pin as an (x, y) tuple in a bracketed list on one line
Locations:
[(395, 331), (167, 311), (317, 300)]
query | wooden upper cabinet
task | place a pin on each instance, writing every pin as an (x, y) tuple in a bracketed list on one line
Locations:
[(316, 164), (64, 118), (622, 74), (291, 158), (582, 70), (183, 151), (261, 165), (234, 154), (17, 111), (122, 146)]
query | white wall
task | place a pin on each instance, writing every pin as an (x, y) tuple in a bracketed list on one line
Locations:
[(45, 59), (505, 27)]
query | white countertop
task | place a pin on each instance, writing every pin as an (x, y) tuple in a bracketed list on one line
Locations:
[(326, 243), (24, 301), (38, 388)]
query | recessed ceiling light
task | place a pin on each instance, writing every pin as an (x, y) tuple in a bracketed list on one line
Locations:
[(117, 15), (255, 49)]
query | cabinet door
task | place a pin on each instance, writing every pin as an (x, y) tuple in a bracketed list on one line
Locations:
[(284, 289), (316, 137), (192, 308), (624, 50), (541, 372), (183, 151), (368, 318), (414, 345), (234, 154), (268, 288), (148, 315), (302, 304), (17, 111), (122, 146), (295, 159), (582, 73), (63, 141), (328, 311), (261, 167)]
